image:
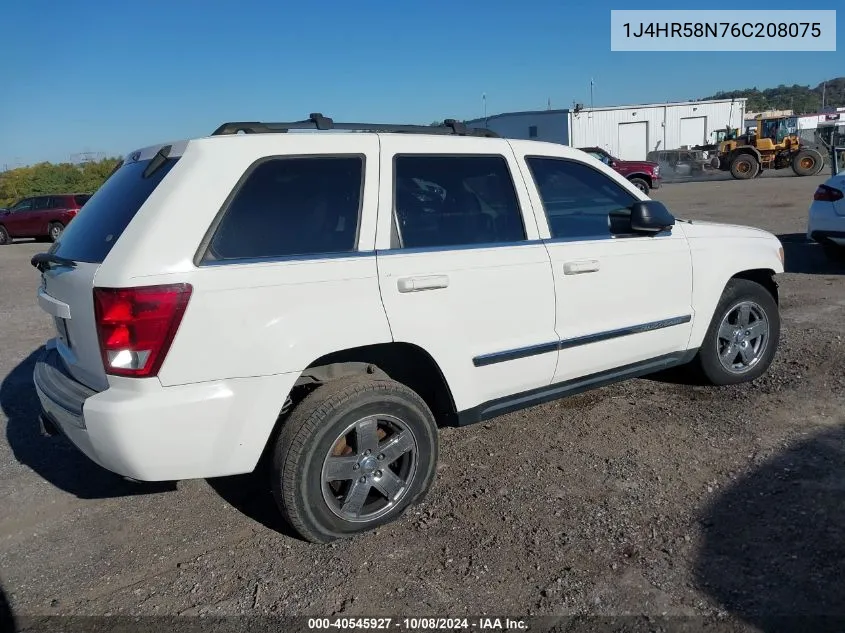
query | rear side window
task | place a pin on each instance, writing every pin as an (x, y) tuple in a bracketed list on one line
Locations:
[(100, 223), (580, 202), (445, 201), (292, 206), (81, 199)]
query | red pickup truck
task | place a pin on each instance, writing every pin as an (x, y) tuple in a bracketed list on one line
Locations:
[(43, 217), (643, 174)]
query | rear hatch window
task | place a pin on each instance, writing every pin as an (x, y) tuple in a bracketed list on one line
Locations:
[(100, 223)]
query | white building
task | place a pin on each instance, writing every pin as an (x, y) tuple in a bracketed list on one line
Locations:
[(627, 132)]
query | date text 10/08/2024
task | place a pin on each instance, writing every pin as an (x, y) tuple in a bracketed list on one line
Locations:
[(723, 29), (418, 624)]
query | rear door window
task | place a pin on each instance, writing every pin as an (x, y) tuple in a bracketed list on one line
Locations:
[(100, 223), (444, 201), (292, 206)]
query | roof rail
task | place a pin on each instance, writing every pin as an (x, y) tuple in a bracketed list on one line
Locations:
[(317, 121)]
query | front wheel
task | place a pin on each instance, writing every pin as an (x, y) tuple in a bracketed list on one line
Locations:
[(353, 455), (807, 162), (743, 336), (640, 184)]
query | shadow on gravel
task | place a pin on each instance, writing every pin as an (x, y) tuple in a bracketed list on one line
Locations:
[(8, 623), (55, 458), (804, 256), (251, 495), (774, 541)]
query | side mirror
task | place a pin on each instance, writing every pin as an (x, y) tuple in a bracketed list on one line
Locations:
[(650, 216)]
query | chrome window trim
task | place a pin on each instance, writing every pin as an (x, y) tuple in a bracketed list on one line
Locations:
[(543, 348), (306, 257), (601, 238), (458, 247)]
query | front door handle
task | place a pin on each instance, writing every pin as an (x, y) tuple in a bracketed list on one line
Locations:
[(416, 284), (581, 266)]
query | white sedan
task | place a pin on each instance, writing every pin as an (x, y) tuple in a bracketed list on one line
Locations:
[(826, 222)]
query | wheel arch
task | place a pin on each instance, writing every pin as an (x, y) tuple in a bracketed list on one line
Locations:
[(746, 149), (641, 176), (763, 276), (407, 363)]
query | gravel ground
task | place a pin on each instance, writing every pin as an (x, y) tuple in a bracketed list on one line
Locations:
[(648, 498)]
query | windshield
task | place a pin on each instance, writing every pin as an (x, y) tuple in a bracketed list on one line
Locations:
[(99, 224)]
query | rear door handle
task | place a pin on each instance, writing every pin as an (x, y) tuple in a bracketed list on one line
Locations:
[(581, 266), (417, 284)]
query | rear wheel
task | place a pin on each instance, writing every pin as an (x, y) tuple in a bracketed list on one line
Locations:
[(743, 336), (640, 184), (807, 162), (353, 455), (54, 231), (5, 238), (744, 167)]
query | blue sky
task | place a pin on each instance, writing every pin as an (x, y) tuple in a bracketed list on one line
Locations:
[(113, 76)]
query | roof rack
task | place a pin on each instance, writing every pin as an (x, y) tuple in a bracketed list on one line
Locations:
[(317, 121)]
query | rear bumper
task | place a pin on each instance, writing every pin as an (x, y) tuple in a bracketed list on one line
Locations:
[(655, 182), (828, 237), (824, 225), (144, 431)]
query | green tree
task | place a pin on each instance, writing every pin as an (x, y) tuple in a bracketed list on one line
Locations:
[(46, 178)]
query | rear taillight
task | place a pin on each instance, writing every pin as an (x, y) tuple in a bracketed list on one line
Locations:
[(136, 326), (826, 193)]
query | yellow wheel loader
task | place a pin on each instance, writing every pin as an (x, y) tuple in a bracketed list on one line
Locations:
[(773, 145)]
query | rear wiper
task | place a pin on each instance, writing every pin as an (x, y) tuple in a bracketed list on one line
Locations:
[(42, 261)]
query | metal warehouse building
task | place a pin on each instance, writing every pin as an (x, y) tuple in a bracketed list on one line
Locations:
[(627, 132)]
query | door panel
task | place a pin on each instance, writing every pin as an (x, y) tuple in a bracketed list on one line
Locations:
[(621, 298), (693, 131), (634, 306), (461, 270), (633, 140), (16, 222)]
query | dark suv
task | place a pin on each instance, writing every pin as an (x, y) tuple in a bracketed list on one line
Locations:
[(40, 216), (643, 174)]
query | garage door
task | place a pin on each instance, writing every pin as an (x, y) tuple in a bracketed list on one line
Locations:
[(633, 140), (693, 131)]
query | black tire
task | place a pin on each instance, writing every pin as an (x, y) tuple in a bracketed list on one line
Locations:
[(5, 238), (744, 167), (54, 231), (739, 291), (640, 184), (316, 426), (807, 162)]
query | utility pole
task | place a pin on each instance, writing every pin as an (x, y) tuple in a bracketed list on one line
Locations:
[(484, 104), (591, 93), (824, 93)]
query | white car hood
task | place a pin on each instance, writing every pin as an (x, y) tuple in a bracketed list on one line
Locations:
[(701, 229)]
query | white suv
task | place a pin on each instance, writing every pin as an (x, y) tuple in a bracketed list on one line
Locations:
[(329, 299)]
